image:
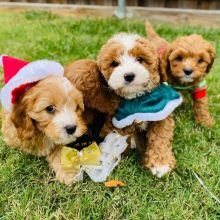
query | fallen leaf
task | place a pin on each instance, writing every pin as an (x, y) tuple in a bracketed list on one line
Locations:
[(114, 183)]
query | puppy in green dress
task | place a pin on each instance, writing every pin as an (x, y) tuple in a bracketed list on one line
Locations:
[(129, 65)]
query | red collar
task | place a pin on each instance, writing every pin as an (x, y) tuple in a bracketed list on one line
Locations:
[(199, 91), (161, 51)]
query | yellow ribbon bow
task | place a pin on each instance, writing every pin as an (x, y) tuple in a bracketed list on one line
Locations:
[(72, 159)]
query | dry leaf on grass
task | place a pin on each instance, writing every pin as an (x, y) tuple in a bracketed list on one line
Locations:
[(114, 183)]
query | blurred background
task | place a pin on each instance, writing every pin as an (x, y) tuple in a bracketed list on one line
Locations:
[(190, 4)]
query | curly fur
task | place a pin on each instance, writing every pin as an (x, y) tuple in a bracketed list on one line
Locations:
[(30, 128), (86, 76), (98, 97), (94, 80), (191, 53)]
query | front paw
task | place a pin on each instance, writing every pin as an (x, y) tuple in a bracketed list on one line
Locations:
[(160, 171), (68, 178), (159, 165), (205, 120)]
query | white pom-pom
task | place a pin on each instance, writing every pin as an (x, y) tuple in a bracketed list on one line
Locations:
[(1, 59)]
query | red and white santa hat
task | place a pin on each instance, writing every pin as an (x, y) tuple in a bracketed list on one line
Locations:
[(20, 75)]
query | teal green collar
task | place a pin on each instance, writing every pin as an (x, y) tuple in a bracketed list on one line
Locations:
[(191, 88), (153, 106)]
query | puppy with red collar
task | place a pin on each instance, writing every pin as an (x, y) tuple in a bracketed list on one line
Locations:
[(184, 64)]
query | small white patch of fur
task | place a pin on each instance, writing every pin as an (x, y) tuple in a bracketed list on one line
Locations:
[(63, 119), (67, 140), (67, 85), (128, 40), (160, 171), (186, 79), (132, 91), (143, 126), (133, 144)]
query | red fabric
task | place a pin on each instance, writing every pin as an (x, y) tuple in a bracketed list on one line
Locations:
[(199, 94), (199, 89), (11, 67), (20, 91), (161, 50)]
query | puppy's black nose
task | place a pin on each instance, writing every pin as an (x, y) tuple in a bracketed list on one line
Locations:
[(187, 71), (129, 77), (70, 129)]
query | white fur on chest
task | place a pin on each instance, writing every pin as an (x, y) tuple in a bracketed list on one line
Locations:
[(143, 126)]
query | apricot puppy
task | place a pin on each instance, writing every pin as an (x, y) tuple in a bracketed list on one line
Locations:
[(45, 118), (184, 64), (129, 65)]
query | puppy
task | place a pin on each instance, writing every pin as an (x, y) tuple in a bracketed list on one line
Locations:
[(184, 64), (43, 119), (129, 65), (99, 98)]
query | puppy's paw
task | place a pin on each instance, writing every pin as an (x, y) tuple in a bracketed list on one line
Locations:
[(159, 165), (160, 171), (205, 121), (66, 177)]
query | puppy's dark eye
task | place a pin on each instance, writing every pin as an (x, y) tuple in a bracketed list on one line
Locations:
[(179, 58), (200, 60), (114, 63), (50, 109), (139, 59)]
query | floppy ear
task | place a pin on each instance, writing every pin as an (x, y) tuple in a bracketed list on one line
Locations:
[(23, 123), (86, 76), (79, 99), (145, 43), (211, 51), (164, 66)]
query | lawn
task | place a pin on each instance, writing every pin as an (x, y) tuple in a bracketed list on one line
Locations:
[(27, 186)]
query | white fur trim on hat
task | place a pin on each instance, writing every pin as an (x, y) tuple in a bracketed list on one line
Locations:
[(1, 56), (32, 72)]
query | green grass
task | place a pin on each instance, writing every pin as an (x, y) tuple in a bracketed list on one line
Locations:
[(27, 186)]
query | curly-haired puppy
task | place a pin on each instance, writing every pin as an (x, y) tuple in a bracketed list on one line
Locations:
[(43, 119), (184, 64), (98, 96), (127, 66)]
